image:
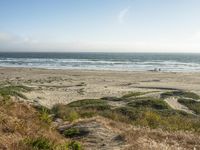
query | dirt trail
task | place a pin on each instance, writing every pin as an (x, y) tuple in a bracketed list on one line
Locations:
[(173, 102), (99, 135), (105, 134)]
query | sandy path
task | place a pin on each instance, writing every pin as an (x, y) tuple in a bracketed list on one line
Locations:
[(173, 102), (99, 134)]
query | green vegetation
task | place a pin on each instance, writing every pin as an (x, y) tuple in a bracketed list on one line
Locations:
[(191, 104), (24, 128), (128, 112), (96, 104), (72, 132), (44, 113), (36, 132), (181, 94), (65, 112), (175, 122), (75, 132), (73, 115), (165, 119), (128, 97), (112, 99), (134, 94), (42, 143), (45, 116), (149, 102), (74, 146), (81, 108), (141, 111), (7, 91), (41, 109)]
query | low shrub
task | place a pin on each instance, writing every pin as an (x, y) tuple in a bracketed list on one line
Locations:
[(149, 103), (191, 104), (40, 143), (133, 94), (181, 94), (128, 112), (141, 111), (75, 132), (96, 104), (150, 119), (74, 146), (45, 116), (65, 112), (73, 115), (112, 98), (72, 132), (81, 108), (7, 91)]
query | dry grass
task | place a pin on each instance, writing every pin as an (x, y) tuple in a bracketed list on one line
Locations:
[(19, 121), (154, 139), (140, 111), (145, 138), (27, 128)]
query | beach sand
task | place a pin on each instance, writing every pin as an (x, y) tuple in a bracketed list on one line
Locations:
[(64, 86)]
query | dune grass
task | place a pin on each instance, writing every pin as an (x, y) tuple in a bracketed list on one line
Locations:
[(74, 145), (39, 143), (81, 108), (64, 112), (141, 111), (72, 132), (19, 121), (134, 94), (97, 104), (110, 98), (149, 102), (32, 126), (12, 90), (25, 127), (42, 143), (181, 94), (75, 132), (191, 104)]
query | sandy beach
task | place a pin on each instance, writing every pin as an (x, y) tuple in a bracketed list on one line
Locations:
[(64, 86), (111, 122)]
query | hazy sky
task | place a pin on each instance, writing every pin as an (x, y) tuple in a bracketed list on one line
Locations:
[(100, 25)]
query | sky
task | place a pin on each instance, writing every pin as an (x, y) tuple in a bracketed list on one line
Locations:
[(100, 25)]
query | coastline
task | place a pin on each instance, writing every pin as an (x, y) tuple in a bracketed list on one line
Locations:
[(167, 62), (64, 86)]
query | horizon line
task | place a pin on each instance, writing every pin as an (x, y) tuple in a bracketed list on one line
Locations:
[(97, 52)]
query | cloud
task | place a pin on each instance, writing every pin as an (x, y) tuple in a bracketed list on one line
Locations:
[(122, 14), (11, 42), (194, 37), (14, 39), (7, 37)]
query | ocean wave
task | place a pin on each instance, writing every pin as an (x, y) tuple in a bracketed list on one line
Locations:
[(98, 64)]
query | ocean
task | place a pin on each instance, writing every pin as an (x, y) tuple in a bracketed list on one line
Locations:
[(103, 61)]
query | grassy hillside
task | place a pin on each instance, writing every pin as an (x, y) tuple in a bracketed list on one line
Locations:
[(140, 111), (24, 127), (27, 127)]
